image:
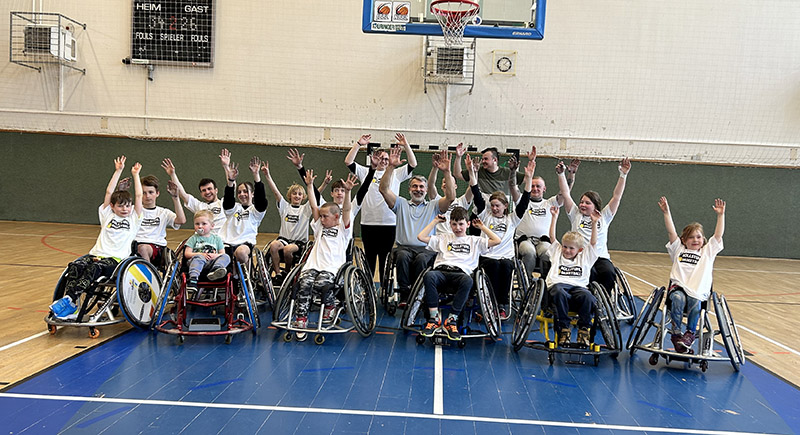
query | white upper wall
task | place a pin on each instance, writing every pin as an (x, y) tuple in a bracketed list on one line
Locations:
[(713, 81)]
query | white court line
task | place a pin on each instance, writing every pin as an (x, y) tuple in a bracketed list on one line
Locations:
[(738, 326), (438, 389), (467, 418), (10, 345), (775, 272)]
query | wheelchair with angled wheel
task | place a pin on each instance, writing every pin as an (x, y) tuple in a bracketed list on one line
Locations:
[(223, 307), (651, 332), (355, 304), (131, 289), (390, 294), (478, 319), (278, 278), (538, 308)]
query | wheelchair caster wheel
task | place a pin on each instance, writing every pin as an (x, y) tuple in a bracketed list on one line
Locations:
[(287, 337), (52, 329), (228, 339), (462, 344), (319, 339), (181, 339), (704, 366), (596, 360), (551, 357), (94, 333), (420, 339), (301, 336), (653, 359)]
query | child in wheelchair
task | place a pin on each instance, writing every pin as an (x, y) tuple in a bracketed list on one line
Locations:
[(120, 218), (205, 251), (691, 275), (457, 256), (568, 280), (332, 233)]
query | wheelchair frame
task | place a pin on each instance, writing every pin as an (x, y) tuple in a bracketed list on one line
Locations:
[(141, 285), (360, 306), (486, 303), (703, 351), (604, 320)]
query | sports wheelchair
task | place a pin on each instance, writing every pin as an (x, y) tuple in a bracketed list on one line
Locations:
[(481, 306), (181, 313), (389, 293), (352, 285), (296, 258), (604, 321), (134, 287), (621, 298), (703, 350)]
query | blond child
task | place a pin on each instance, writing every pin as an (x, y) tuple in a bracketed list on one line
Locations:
[(205, 251)]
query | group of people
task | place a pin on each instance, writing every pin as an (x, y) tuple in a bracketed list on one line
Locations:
[(504, 223)]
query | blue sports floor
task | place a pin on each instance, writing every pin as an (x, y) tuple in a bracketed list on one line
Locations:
[(384, 384)]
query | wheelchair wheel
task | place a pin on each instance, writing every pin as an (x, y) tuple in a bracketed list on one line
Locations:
[(245, 285), (359, 296), (488, 304), (730, 335), (645, 319), (138, 290), (605, 318), (624, 303), (416, 305), (518, 293), (387, 286), (168, 293), (526, 316), (261, 278), (280, 311)]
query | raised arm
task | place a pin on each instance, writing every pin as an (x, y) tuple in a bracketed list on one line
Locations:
[(493, 239), (433, 192), (351, 155), (137, 188), (522, 205), (119, 165), (180, 215), (443, 163), (259, 192), (424, 236), (296, 158), (513, 189), (619, 189), (310, 191), (553, 223), (412, 158), (231, 171), (719, 209), (457, 171), (347, 205), (664, 206), (325, 181), (594, 217), (271, 182), (477, 196), (563, 188), (385, 186), (173, 176), (572, 171)]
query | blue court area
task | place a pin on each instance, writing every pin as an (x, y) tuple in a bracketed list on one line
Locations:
[(384, 384)]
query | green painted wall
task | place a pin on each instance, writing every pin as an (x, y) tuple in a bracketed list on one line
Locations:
[(59, 178)]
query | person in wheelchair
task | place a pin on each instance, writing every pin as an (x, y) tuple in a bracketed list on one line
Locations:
[(151, 241), (332, 233), (457, 256), (568, 280), (205, 251), (691, 274), (120, 218), (243, 218), (410, 255)]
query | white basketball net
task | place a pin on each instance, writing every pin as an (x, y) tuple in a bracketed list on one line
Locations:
[(453, 16)]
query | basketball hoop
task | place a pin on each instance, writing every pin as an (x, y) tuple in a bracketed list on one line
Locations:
[(453, 16)]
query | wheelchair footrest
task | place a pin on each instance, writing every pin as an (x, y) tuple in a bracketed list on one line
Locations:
[(205, 324)]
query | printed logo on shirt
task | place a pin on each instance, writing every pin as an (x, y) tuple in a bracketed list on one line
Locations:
[(155, 222), (292, 218), (458, 248), (208, 249), (587, 223), (119, 225), (574, 271), (375, 180), (330, 232), (689, 258), (538, 212), (215, 210), (245, 214)]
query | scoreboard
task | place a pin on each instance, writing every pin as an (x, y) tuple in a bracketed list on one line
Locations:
[(173, 32)]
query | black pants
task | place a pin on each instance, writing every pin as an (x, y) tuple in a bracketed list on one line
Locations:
[(499, 273), (603, 273), (378, 241), (82, 272)]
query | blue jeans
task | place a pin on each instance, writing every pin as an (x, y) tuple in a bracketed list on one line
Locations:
[(459, 282), (681, 303), (198, 264), (580, 299)]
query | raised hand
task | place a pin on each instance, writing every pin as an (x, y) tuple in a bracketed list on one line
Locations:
[(532, 153), (401, 139), (530, 168), (595, 216), (513, 164), (232, 171), (375, 160), (119, 163), (255, 164), (625, 166), (441, 218), (554, 211), (477, 223), (328, 177), (137, 167), (443, 162), (172, 189), (573, 166), (169, 168), (663, 204), (719, 206), (460, 150), (560, 167), (350, 182), (265, 167), (469, 164), (225, 157), (309, 178), (296, 158), (124, 184), (394, 157), (364, 139)]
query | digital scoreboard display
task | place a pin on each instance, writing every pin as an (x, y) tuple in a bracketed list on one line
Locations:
[(173, 32)]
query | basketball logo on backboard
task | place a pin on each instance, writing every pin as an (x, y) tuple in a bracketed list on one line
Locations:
[(382, 11), (402, 11)]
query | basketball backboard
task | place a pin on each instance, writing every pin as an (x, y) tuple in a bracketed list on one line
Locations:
[(506, 19)]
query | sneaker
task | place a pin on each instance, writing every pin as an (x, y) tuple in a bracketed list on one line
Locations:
[(563, 336), (217, 274), (64, 309), (300, 323), (451, 329), (676, 343), (328, 313), (277, 280), (191, 286), (688, 340), (430, 328), (583, 337)]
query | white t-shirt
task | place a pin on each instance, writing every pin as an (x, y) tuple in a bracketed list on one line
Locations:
[(693, 269), (444, 227), (193, 205), (376, 212), (294, 220), (574, 272), (241, 224), (583, 225), (116, 233), (354, 208), (536, 221), (329, 252), (154, 225), (462, 252), (503, 227)]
